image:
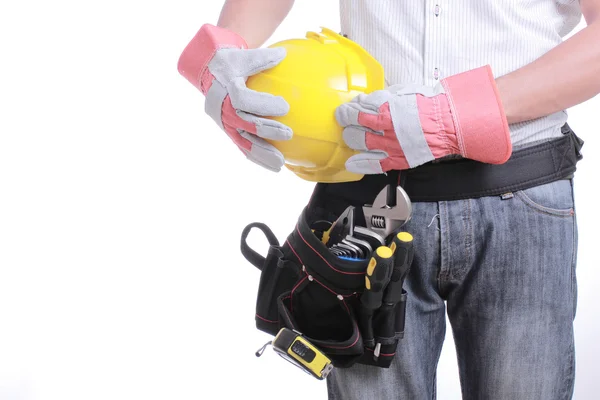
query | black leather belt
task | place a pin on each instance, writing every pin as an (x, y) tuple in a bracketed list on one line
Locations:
[(462, 178)]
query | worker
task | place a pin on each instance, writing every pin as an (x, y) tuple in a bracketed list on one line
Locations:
[(474, 88)]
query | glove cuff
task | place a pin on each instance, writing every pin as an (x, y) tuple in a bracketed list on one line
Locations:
[(481, 127), (437, 124), (193, 62)]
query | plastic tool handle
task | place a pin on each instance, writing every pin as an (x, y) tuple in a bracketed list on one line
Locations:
[(402, 247), (377, 277)]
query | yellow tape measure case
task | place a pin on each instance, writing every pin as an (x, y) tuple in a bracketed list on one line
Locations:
[(300, 352)]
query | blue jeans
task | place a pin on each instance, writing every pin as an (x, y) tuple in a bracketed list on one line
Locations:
[(504, 268)]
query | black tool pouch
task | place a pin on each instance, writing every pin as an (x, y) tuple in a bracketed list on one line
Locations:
[(304, 287)]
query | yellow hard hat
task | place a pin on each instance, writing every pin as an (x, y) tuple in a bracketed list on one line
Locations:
[(319, 73)]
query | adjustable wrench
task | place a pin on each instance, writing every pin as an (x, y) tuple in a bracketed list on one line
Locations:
[(390, 210)]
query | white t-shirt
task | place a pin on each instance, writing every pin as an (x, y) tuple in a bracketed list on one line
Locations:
[(423, 41)]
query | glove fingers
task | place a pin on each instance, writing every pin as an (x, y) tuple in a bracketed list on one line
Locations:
[(354, 114), (355, 137), (262, 127), (243, 143), (259, 162), (263, 153), (228, 64), (348, 113), (254, 102), (374, 100), (252, 61), (368, 110), (266, 128), (366, 163)]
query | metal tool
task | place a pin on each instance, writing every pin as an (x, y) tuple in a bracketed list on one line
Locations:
[(351, 250), (347, 250), (341, 227), (373, 238), (341, 251), (359, 252), (391, 209), (361, 244)]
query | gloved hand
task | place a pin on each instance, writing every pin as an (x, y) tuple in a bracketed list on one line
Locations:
[(218, 62), (404, 126)]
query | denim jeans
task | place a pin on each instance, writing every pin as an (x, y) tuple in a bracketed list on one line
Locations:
[(503, 268)]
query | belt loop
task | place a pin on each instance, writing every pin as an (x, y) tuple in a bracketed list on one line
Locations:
[(575, 140), (402, 175)]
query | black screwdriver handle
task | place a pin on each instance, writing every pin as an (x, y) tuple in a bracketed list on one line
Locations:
[(377, 277), (402, 247)]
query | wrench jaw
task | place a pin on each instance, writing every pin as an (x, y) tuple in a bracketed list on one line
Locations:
[(385, 219), (403, 206)]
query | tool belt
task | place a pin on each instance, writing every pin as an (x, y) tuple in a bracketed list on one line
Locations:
[(304, 287)]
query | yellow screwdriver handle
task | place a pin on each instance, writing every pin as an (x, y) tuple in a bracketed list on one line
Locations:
[(377, 276), (402, 247)]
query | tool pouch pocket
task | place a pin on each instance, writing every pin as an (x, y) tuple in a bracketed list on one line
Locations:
[(324, 319), (382, 330)]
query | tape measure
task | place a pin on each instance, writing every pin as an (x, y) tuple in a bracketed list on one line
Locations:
[(295, 348)]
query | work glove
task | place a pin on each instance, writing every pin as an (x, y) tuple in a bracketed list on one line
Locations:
[(218, 62), (404, 126)]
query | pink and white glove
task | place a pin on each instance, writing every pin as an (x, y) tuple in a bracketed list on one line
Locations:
[(404, 126), (218, 62)]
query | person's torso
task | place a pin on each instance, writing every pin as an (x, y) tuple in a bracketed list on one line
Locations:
[(423, 41)]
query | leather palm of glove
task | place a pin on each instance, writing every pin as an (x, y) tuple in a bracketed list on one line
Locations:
[(218, 62), (404, 126)]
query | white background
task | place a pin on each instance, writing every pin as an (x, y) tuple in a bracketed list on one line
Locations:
[(121, 208)]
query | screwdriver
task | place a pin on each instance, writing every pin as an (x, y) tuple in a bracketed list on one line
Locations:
[(378, 275), (402, 247)]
